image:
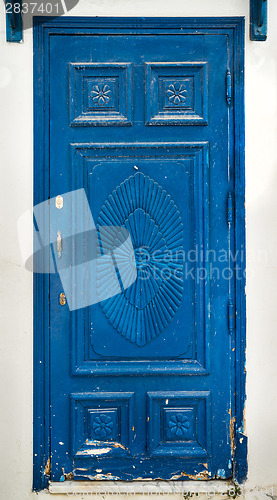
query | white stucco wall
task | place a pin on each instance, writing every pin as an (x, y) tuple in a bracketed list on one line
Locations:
[(261, 207)]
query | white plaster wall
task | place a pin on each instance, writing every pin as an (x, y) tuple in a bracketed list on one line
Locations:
[(261, 207)]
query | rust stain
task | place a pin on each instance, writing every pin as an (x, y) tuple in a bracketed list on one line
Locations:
[(232, 431), (47, 469)]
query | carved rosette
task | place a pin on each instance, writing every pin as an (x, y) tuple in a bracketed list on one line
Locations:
[(102, 425), (179, 425), (101, 94), (143, 208)]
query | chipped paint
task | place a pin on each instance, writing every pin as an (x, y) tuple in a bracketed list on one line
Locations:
[(101, 477), (66, 476), (232, 431), (103, 447), (243, 419), (94, 451), (119, 445), (221, 474), (201, 476), (47, 469)]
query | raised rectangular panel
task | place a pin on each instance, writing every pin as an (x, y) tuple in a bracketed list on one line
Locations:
[(178, 174), (176, 93), (101, 424), (101, 94), (179, 424)]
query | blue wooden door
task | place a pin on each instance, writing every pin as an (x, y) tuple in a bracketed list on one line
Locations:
[(141, 120)]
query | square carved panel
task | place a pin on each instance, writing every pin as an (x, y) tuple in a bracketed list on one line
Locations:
[(179, 424), (176, 93), (101, 424), (101, 94)]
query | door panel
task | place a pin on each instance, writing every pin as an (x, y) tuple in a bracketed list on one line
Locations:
[(141, 381), (180, 329)]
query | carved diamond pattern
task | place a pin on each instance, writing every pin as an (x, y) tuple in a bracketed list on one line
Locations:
[(144, 309)]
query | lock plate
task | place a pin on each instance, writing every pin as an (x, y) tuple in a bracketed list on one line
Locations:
[(62, 299), (59, 202)]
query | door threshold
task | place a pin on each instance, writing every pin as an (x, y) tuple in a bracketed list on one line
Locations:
[(143, 487)]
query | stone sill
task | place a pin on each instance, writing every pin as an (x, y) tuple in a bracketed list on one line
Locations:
[(184, 488)]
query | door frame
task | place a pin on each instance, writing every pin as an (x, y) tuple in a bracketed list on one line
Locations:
[(43, 28)]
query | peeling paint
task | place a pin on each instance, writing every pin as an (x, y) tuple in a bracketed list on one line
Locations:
[(232, 431), (203, 475), (66, 476), (243, 421), (221, 474), (94, 451), (99, 447), (101, 477), (47, 469), (119, 445)]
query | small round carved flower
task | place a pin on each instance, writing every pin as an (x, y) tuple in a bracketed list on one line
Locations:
[(178, 424), (101, 94), (177, 93), (102, 425)]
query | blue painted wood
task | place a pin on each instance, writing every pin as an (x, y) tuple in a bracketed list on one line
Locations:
[(41, 390), (258, 20), (13, 21), (197, 181), (151, 433), (240, 454)]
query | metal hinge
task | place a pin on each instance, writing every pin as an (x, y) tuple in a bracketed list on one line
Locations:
[(228, 87), (231, 316), (230, 209)]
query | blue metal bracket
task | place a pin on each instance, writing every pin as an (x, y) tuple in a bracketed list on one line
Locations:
[(13, 20), (258, 20)]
